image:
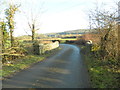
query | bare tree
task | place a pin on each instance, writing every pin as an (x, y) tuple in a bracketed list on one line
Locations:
[(33, 20), (33, 27), (105, 23)]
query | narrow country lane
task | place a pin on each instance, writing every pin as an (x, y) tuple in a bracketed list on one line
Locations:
[(66, 69)]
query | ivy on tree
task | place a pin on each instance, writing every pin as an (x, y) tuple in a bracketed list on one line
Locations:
[(4, 35), (10, 12)]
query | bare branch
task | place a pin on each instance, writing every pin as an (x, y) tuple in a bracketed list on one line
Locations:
[(29, 25)]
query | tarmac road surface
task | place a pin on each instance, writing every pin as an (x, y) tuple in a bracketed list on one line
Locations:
[(65, 69)]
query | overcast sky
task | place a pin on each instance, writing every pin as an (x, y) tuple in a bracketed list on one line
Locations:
[(55, 15)]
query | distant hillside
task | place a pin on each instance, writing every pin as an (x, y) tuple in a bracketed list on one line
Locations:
[(78, 31), (58, 35)]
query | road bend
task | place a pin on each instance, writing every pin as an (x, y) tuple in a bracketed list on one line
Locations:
[(65, 69)]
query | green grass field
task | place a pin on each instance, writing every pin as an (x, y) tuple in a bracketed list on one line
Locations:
[(72, 39), (52, 39)]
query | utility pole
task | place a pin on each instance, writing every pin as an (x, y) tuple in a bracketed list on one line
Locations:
[(119, 15), (118, 29)]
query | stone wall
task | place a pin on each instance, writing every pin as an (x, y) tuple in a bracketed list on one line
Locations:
[(47, 47)]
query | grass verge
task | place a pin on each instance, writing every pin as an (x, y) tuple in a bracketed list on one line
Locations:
[(103, 74), (10, 69)]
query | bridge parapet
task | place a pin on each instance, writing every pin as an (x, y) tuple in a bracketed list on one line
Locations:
[(47, 47)]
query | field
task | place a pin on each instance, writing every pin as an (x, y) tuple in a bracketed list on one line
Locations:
[(61, 40)]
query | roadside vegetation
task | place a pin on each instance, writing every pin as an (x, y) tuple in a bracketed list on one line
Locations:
[(103, 73), (101, 56), (25, 62)]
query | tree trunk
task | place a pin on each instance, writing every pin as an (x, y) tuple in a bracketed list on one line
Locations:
[(12, 39), (33, 35), (3, 47), (33, 32), (1, 41)]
